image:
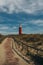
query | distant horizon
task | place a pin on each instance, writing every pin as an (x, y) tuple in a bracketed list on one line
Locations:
[(23, 34)]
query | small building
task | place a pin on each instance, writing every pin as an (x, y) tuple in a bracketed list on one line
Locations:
[(20, 29)]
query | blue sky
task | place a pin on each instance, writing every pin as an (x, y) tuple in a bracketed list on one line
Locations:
[(29, 13)]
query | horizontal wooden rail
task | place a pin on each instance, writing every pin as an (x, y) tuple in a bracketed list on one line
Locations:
[(24, 43), (23, 57)]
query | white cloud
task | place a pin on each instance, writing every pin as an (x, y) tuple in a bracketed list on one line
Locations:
[(2, 2), (37, 22), (14, 27), (29, 6), (3, 32), (4, 28)]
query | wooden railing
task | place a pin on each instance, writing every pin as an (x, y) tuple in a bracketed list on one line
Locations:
[(26, 46)]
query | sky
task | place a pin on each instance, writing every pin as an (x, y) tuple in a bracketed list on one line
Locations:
[(28, 13)]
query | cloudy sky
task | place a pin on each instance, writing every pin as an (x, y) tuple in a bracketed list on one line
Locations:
[(29, 13)]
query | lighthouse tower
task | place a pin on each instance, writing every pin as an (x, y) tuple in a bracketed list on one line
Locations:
[(20, 29)]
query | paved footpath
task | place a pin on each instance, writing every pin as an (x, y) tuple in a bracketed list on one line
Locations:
[(10, 57)]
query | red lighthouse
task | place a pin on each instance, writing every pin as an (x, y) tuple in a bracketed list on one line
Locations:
[(20, 29)]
